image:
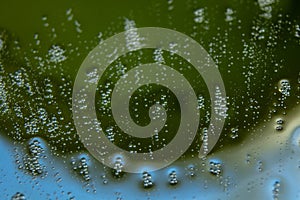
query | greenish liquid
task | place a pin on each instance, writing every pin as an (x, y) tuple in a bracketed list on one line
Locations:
[(253, 53)]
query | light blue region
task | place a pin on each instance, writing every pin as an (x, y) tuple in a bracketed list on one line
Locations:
[(61, 179)]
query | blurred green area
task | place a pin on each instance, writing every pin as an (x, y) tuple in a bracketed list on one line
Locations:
[(253, 53)]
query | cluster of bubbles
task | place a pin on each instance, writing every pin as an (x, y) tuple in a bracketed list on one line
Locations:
[(70, 18), (173, 178), (31, 161), (284, 87), (18, 196), (199, 15), (279, 124), (118, 167), (276, 190), (229, 13), (81, 166), (205, 139), (260, 166), (147, 180), (215, 167), (266, 8), (56, 54), (191, 171), (234, 133)]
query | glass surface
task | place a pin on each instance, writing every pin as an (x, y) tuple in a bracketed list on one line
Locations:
[(251, 48)]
